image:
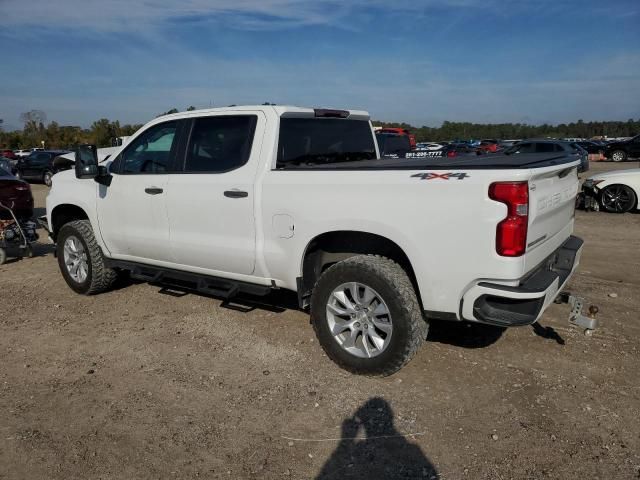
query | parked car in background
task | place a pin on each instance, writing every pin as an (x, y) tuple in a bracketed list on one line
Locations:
[(430, 146), (400, 131), (5, 164), (461, 147), (22, 153), (8, 154), (15, 194), (551, 146), (488, 146), (591, 147), (508, 143), (39, 166), (615, 192), (621, 151)]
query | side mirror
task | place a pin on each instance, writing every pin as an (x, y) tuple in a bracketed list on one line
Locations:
[(86, 161)]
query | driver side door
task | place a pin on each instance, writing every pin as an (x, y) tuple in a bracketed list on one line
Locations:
[(132, 211)]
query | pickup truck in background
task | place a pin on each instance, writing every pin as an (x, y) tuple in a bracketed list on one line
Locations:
[(251, 199)]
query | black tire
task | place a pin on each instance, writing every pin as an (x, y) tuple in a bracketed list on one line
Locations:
[(617, 198), (99, 277), (47, 178), (393, 285), (618, 156)]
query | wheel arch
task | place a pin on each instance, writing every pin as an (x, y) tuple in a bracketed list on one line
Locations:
[(331, 247), (65, 213)]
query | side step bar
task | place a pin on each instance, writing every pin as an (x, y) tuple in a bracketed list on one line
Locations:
[(214, 286)]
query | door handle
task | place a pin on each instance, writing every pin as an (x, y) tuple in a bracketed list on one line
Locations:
[(235, 194), (153, 190)]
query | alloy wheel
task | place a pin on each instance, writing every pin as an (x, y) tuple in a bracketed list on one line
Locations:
[(359, 320), (75, 259), (616, 198)]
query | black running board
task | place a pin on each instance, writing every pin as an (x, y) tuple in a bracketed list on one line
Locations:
[(214, 286)]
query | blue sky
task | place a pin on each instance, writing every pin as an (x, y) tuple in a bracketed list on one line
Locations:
[(418, 61)]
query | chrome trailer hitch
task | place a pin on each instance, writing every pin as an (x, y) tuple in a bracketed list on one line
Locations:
[(576, 317)]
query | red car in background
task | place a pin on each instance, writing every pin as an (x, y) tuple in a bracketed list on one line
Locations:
[(8, 154), (400, 131), (488, 146)]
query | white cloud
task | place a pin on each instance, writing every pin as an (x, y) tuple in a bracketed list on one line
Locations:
[(129, 15)]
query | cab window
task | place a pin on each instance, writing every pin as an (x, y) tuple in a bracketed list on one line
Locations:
[(220, 144), (151, 152)]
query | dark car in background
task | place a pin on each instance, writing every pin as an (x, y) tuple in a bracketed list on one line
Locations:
[(592, 148), (551, 146), (621, 151), (39, 166), (15, 194), (6, 164)]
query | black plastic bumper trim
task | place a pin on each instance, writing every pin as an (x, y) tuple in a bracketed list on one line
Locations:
[(505, 311)]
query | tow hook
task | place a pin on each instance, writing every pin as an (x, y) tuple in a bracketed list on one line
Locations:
[(587, 323)]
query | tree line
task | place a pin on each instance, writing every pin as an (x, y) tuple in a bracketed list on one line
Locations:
[(100, 133), (466, 130)]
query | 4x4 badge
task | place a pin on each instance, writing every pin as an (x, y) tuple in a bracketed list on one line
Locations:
[(440, 176)]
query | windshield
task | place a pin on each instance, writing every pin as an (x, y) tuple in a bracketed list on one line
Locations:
[(316, 141)]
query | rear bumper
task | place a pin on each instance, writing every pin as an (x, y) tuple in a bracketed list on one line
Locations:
[(524, 303)]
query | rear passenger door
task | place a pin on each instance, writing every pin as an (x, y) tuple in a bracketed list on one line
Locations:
[(211, 202)]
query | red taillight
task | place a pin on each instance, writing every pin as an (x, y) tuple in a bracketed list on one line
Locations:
[(511, 234), (451, 153)]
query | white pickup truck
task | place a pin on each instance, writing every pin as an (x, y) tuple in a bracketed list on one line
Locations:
[(250, 199)]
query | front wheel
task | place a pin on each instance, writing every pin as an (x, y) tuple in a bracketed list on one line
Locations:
[(617, 198), (619, 156), (366, 315), (81, 261)]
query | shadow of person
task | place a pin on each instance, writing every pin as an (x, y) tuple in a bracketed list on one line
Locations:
[(383, 452)]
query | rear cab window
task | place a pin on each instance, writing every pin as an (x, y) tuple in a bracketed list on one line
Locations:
[(317, 141), (220, 144)]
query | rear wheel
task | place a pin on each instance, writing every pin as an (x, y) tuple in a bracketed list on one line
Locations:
[(81, 261), (47, 178), (617, 198), (366, 315), (619, 156)]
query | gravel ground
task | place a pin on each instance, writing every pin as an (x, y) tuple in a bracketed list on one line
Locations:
[(138, 383)]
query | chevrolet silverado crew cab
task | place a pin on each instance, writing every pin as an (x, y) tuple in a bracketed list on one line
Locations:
[(251, 199)]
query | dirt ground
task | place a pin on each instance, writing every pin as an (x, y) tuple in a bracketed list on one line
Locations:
[(137, 383)]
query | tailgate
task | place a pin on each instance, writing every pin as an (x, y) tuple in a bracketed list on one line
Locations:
[(552, 195)]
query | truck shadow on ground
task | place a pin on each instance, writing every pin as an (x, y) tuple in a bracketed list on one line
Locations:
[(464, 334), (371, 448)]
